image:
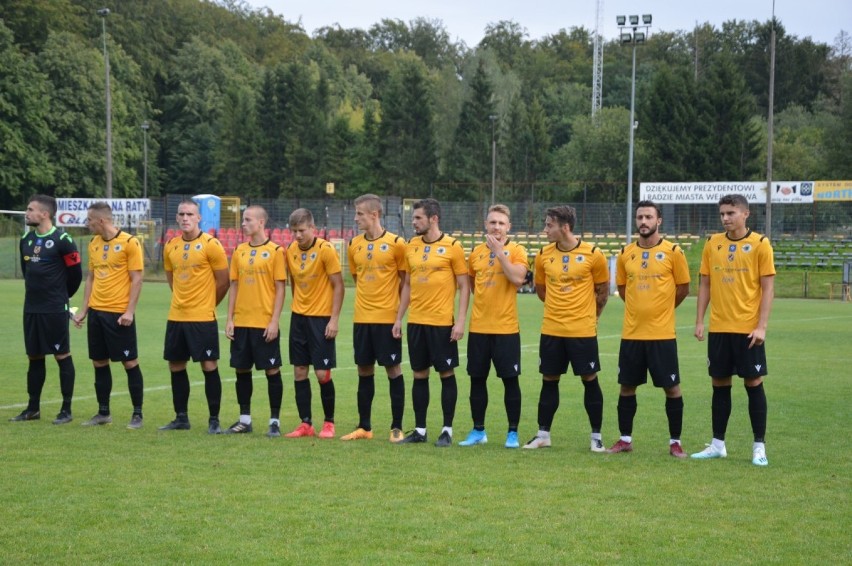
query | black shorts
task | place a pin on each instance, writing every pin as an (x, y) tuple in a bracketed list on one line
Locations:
[(250, 348), (430, 346), (46, 333), (503, 349), (638, 357), (555, 353), (374, 343), (108, 340), (308, 344), (728, 354), (198, 340)]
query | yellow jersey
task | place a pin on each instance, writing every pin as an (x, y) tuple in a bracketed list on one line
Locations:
[(256, 269), (495, 298), (569, 277), (192, 263), (650, 277), (309, 272), (433, 268), (376, 264), (735, 268), (110, 262)]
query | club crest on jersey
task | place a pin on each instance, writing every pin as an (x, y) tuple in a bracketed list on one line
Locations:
[(580, 259), (383, 248), (746, 248), (659, 256), (117, 248), (37, 250), (313, 256), (198, 247), (48, 244), (442, 251), (265, 255)]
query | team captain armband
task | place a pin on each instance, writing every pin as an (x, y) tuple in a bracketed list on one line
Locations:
[(71, 259)]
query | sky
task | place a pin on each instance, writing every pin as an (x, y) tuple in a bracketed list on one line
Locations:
[(466, 20)]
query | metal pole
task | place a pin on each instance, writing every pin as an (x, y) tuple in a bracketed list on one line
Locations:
[(770, 120), (629, 224), (145, 127), (103, 13), (493, 119)]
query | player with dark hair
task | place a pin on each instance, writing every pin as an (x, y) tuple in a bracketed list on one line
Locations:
[(50, 263), (435, 268), (110, 297), (197, 273), (314, 272), (738, 278), (258, 286), (653, 279), (572, 279), (497, 268), (376, 263)]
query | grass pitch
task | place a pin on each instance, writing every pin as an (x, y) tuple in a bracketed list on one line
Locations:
[(111, 495)]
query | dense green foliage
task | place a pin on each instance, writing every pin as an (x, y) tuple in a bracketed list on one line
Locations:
[(244, 102)]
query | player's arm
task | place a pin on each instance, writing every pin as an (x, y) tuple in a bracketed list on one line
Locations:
[(601, 296), (126, 319), (232, 304), (336, 303), (514, 272), (681, 292), (404, 300), (271, 332), (703, 302), (84, 308), (170, 277), (73, 265), (457, 333), (622, 289), (222, 284), (767, 290)]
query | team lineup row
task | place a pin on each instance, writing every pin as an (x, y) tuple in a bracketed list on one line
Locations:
[(427, 279)]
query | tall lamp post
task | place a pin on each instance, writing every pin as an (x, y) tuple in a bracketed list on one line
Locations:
[(493, 118), (103, 13), (145, 127), (630, 33)]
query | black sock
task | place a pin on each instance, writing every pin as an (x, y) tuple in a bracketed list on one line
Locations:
[(721, 410), (512, 400), (302, 389), (213, 391), (66, 381), (244, 387), (449, 398), (478, 401), (674, 412), (548, 403), (275, 387), (180, 391), (366, 392), (593, 400), (757, 409), (420, 400), (396, 386), (103, 388), (327, 397), (626, 412), (36, 374), (136, 387)]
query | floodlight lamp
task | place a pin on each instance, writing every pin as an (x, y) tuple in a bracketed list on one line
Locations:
[(103, 12), (621, 20), (646, 19), (626, 37), (634, 20), (145, 125), (639, 37)]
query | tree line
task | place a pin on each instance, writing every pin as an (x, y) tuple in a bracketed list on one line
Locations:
[(241, 101)]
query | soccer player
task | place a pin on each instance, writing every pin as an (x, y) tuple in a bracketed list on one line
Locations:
[(50, 263), (258, 286), (376, 264), (197, 273), (572, 279), (653, 279), (737, 277), (434, 268), (314, 271), (497, 268), (109, 299)]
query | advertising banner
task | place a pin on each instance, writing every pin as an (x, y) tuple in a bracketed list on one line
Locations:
[(784, 192), (833, 190), (126, 212)]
